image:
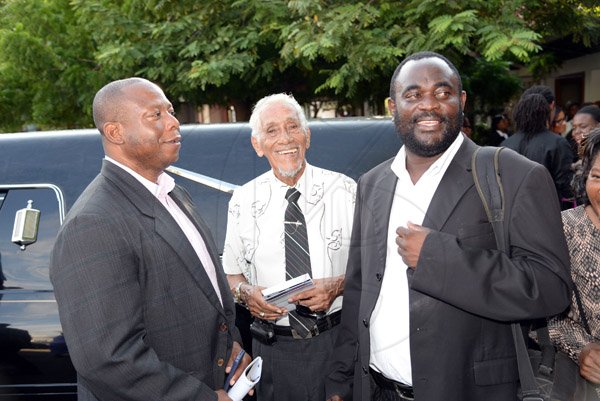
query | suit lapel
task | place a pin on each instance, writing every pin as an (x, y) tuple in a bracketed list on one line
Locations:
[(167, 228), (383, 196), (185, 204), (455, 183)]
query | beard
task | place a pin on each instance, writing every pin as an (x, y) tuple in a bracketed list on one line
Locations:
[(406, 132), (291, 173)]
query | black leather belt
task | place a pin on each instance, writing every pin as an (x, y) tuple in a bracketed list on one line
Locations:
[(404, 391), (321, 324)]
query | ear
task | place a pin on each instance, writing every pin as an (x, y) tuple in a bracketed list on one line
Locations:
[(113, 132), (307, 137), (391, 105), (463, 99), (257, 146)]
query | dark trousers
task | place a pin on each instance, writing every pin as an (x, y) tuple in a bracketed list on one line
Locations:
[(382, 394), (295, 370)]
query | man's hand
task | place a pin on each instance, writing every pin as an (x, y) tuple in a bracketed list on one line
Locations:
[(320, 298), (222, 395), (589, 363), (258, 307), (246, 359), (410, 240)]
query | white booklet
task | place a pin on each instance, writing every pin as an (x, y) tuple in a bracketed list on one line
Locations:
[(279, 294), (247, 380)]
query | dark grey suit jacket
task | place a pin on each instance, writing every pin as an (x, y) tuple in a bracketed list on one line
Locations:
[(140, 316), (464, 293)]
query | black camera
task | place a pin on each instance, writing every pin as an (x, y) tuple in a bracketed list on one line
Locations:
[(262, 331)]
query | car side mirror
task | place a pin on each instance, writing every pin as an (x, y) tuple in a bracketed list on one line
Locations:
[(26, 226)]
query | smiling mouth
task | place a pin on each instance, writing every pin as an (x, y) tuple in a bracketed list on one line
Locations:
[(174, 141), (287, 152)]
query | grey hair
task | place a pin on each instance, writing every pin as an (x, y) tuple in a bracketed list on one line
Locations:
[(278, 98)]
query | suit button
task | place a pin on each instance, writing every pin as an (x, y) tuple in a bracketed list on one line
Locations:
[(366, 322), (223, 327), (220, 362), (365, 370), (379, 276)]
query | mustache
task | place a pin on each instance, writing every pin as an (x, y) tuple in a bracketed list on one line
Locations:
[(429, 115)]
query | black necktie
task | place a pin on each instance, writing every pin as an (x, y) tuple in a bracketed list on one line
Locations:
[(297, 256)]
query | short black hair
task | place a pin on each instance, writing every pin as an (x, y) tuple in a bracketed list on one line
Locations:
[(541, 90), (420, 56), (592, 110), (106, 106), (531, 114), (590, 150)]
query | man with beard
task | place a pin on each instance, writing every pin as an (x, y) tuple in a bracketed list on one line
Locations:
[(428, 299), (292, 220)]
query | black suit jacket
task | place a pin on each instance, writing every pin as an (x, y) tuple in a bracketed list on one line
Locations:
[(464, 293), (141, 318)]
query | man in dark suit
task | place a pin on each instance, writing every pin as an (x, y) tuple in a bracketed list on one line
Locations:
[(428, 298), (143, 301)]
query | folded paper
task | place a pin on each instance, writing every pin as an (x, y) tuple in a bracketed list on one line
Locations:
[(247, 380)]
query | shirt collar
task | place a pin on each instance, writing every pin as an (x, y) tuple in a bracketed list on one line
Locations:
[(166, 183), (302, 182), (399, 163)]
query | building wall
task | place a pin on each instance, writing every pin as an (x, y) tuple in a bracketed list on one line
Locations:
[(588, 65)]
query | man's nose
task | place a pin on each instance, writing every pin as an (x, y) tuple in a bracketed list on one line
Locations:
[(429, 102), (173, 122)]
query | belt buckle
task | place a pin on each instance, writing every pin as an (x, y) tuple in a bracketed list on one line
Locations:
[(297, 336)]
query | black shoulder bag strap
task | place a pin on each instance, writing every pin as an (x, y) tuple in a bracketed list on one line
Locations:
[(484, 166)]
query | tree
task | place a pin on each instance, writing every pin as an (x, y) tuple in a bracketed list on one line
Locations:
[(236, 51), (48, 74)]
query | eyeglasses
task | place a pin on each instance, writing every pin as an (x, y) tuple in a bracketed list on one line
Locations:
[(560, 120)]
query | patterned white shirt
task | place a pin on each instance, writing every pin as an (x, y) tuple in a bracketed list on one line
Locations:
[(255, 245)]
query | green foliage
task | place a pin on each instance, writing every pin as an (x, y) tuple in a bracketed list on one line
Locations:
[(55, 54)]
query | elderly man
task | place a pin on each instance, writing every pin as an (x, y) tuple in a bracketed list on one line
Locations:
[(429, 299), (142, 298), (292, 220)]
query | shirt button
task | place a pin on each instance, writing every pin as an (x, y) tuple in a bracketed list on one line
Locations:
[(220, 362), (223, 327)]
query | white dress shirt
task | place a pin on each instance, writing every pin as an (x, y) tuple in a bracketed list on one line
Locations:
[(255, 245), (161, 191), (389, 325)]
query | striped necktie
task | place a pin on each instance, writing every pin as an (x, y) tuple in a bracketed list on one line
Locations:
[(297, 255)]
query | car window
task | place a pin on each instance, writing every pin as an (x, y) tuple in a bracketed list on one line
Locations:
[(27, 269)]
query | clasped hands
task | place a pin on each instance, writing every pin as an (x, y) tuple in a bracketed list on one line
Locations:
[(410, 241), (318, 299)]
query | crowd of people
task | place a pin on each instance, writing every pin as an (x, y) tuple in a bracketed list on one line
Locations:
[(411, 297)]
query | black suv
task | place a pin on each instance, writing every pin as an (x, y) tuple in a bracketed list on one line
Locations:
[(47, 171)]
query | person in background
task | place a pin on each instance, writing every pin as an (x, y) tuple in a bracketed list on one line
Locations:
[(577, 333), (533, 140), (141, 293), (559, 124), (586, 119), (429, 300), (498, 130), (294, 219)]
